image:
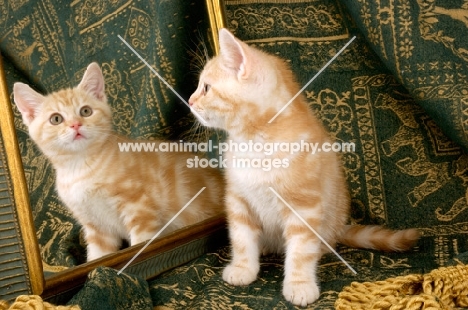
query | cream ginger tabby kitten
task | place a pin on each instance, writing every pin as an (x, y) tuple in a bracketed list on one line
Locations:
[(240, 91), (114, 195)]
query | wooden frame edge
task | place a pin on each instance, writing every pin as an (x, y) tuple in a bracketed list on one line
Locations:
[(73, 278), (216, 15), (20, 189)]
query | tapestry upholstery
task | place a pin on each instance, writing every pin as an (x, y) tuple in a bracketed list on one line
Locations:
[(424, 44), (106, 289), (382, 94)]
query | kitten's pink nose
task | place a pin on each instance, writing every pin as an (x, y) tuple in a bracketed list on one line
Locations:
[(191, 100), (76, 125)]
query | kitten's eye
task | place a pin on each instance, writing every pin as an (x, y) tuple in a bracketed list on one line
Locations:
[(206, 88), (86, 111), (56, 119)]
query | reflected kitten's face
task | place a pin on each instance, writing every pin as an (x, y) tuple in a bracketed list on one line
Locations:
[(70, 120)]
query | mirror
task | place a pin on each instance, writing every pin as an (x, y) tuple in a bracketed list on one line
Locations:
[(54, 279)]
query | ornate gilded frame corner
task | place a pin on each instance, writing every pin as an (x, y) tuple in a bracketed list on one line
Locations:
[(161, 255), (216, 14), (20, 252)]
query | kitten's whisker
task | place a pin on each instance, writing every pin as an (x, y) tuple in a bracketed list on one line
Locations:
[(195, 65), (191, 133), (198, 61), (198, 132), (201, 54), (312, 79), (161, 78), (160, 231), (314, 231), (205, 51)]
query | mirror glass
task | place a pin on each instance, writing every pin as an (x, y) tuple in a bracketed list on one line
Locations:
[(48, 46)]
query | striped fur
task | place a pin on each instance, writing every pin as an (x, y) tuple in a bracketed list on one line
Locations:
[(378, 238), (240, 91), (114, 195)]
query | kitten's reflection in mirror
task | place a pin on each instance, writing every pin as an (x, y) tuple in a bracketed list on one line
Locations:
[(115, 188)]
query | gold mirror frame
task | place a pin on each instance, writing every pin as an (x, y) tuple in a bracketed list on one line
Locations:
[(20, 197), (58, 288)]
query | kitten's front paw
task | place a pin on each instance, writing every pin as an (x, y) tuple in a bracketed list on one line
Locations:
[(301, 293), (236, 275)]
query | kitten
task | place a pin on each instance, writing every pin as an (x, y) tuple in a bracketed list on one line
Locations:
[(114, 195), (240, 91)]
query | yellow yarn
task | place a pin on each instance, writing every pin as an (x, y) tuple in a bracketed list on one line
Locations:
[(4, 305), (443, 288), (33, 302)]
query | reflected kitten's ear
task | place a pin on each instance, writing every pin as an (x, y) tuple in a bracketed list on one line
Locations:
[(93, 82), (235, 53), (27, 100)]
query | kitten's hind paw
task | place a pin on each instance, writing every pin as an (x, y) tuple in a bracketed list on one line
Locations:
[(301, 293), (237, 275)]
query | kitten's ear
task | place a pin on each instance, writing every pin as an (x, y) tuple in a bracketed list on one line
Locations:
[(93, 82), (234, 53), (27, 100)]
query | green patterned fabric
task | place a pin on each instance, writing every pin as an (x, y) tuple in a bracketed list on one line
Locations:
[(105, 289), (50, 43), (198, 284), (424, 44)]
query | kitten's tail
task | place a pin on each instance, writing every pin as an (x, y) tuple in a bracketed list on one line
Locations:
[(379, 238)]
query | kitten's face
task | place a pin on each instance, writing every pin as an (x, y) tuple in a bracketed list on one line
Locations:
[(214, 100), (70, 120), (235, 86)]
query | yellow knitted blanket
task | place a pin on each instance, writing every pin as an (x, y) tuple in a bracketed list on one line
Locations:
[(32, 302), (442, 288)]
